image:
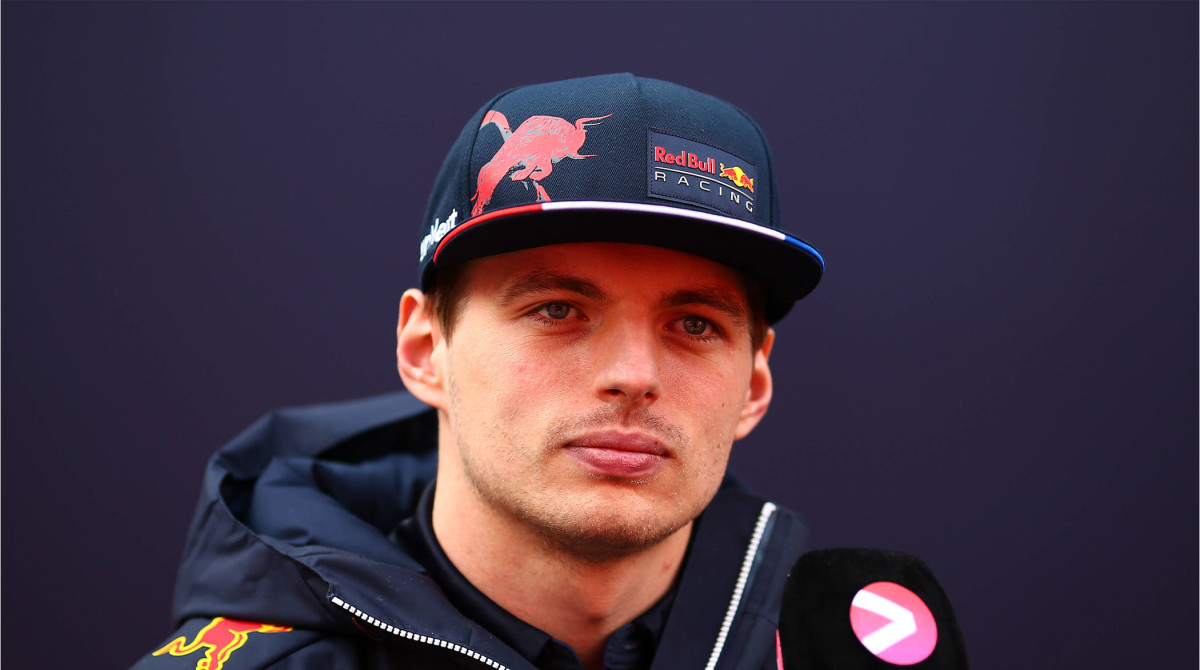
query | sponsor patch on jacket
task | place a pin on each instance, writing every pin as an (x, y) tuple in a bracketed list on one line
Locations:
[(684, 170), (218, 640)]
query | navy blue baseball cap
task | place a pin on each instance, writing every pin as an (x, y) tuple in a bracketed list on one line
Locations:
[(616, 158)]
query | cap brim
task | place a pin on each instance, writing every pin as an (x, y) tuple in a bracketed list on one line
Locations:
[(787, 267)]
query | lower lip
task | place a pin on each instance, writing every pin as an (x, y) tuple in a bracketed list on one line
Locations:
[(617, 463)]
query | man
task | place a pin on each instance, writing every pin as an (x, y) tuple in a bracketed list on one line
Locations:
[(600, 266)]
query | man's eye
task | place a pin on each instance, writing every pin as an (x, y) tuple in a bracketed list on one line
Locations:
[(694, 325), (556, 310)]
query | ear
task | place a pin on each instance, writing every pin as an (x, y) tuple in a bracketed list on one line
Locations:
[(419, 350), (758, 396)]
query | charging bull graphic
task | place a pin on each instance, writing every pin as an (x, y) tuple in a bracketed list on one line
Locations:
[(222, 637), (737, 176), (531, 150)]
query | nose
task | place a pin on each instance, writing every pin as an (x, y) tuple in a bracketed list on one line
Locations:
[(628, 365)]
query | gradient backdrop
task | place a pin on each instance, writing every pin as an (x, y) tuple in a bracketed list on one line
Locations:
[(211, 210)]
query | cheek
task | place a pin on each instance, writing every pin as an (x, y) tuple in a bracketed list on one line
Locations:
[(536, 365), (512, 381), (713, 393), (711, 398)]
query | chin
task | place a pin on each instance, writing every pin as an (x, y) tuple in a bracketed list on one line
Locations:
[(601, 540), (601, 531)]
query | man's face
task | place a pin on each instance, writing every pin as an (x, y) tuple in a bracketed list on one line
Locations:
[(594, 390)]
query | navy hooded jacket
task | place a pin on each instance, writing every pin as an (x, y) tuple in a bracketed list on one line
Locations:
[(288, 563)]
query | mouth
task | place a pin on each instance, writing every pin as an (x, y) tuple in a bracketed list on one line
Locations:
[(618, 454)]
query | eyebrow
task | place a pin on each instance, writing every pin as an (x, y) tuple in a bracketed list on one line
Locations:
[(540, 281), (713, 297)]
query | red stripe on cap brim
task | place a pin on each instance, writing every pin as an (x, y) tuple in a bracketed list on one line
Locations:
[(536, 207)]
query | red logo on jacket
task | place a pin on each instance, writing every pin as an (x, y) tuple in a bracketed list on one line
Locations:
[(222, 637)]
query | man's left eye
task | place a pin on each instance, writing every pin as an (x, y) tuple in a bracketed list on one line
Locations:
[(556, 310), (694, 325)]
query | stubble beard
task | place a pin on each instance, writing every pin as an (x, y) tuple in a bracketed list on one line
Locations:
[(576, 526)]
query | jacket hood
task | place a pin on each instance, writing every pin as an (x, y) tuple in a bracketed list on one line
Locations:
[(298, 496)]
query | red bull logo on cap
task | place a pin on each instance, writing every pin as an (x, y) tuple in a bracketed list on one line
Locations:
[(530, 152), (222, 637), (738, 176)]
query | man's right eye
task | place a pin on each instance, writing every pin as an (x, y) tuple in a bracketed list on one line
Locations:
[(555, 310)]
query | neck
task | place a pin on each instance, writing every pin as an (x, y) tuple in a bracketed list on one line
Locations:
[(577, 600)]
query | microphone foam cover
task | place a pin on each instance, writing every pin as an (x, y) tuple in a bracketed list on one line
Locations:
[(815, 631)]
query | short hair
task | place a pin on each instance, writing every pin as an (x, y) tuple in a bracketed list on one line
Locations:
[(444, 297)]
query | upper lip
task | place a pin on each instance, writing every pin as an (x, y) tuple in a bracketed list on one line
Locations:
[(621, 441)]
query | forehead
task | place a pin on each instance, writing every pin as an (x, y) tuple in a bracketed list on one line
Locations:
[(614, 267)]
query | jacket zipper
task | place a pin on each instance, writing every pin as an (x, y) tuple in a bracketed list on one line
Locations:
[(743, 576), (735, 601), (424, 639)]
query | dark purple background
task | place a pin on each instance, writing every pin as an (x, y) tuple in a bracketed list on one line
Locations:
[(211, 210)]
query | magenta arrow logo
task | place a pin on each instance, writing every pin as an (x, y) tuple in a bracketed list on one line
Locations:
[(893, 623)]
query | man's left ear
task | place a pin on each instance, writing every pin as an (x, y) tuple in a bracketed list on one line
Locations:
[(758, 396)]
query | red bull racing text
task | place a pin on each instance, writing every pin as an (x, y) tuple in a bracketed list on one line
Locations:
[(222, 637), (685, 170), (686, 159)]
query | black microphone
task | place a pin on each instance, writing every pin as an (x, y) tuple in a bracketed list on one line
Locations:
[(846, 609)]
